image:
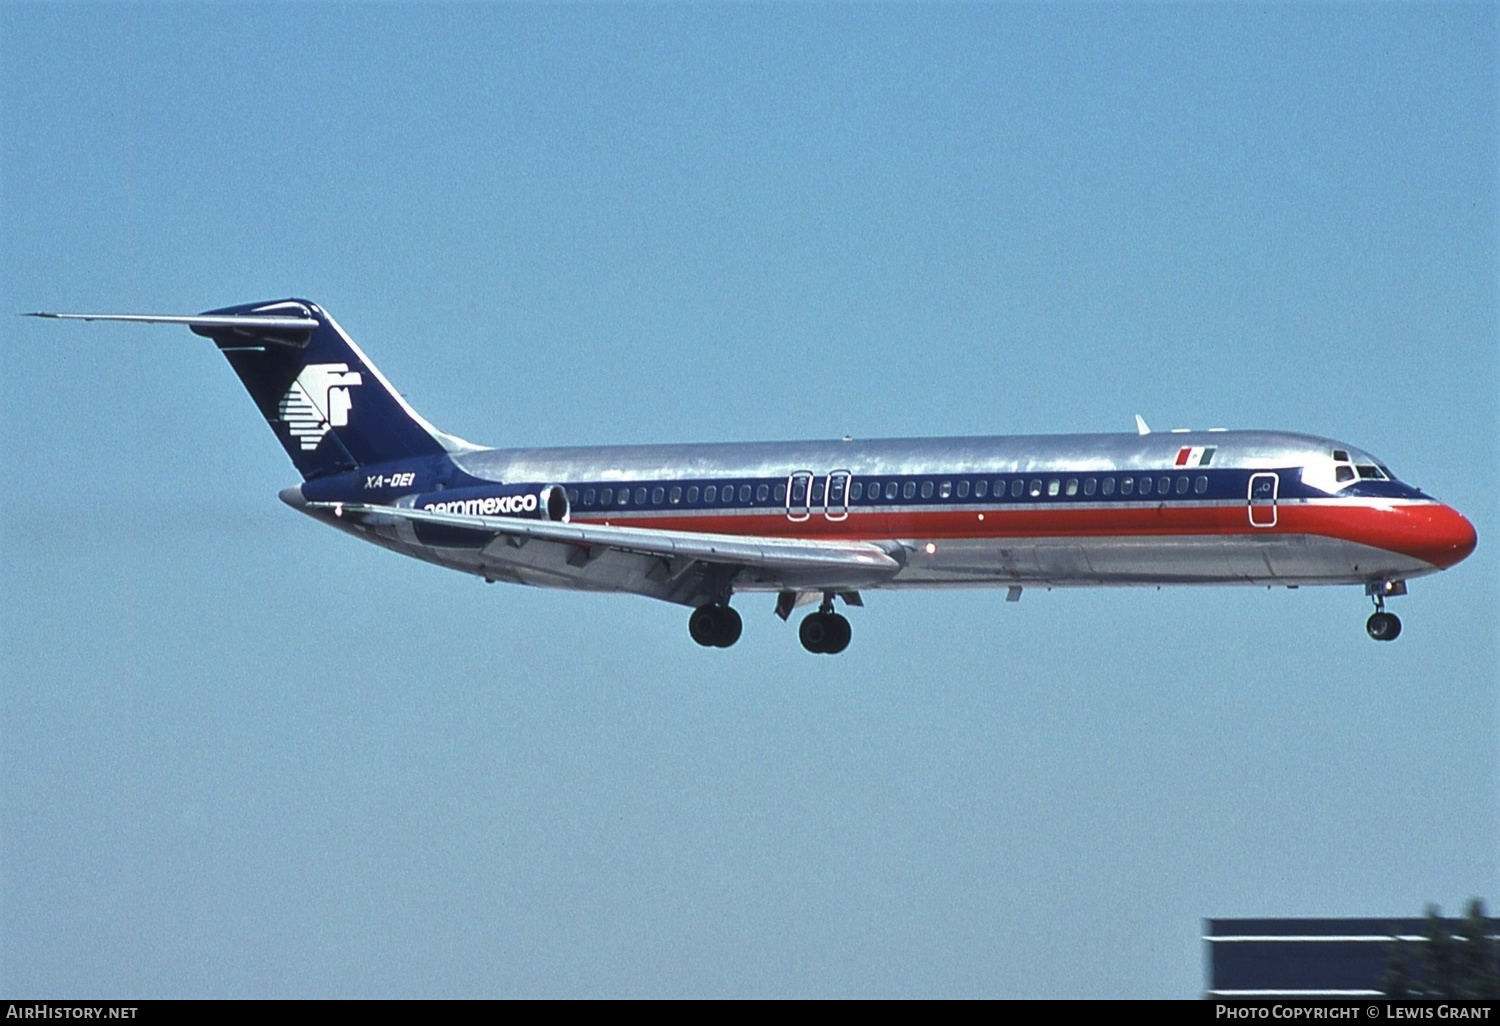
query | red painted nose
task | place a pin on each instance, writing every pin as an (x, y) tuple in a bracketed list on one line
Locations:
[(1442, 536)]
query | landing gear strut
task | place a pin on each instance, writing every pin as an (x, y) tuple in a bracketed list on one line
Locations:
[(715, 625), (1383, 626), (825, 632)]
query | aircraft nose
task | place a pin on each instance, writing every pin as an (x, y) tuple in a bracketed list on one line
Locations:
[(1446, 535)]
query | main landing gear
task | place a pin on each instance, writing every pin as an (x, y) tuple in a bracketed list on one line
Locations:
[(715, 625), (1383, 626), (825, 632)]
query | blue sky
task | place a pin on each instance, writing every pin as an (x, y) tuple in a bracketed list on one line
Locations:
[(242, 755)]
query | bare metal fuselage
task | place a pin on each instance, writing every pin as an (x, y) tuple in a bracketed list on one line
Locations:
[(1050, 534)]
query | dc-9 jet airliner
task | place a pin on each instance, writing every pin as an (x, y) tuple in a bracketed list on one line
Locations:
[(811, 522)]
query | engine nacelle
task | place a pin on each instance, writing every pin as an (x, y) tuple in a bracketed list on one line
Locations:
[(529, 502)]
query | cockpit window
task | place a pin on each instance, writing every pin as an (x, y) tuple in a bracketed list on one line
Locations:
[(1370, 472), (1341, 456), (1343, 474)]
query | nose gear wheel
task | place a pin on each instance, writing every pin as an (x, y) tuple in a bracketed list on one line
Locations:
[(1383, 626)]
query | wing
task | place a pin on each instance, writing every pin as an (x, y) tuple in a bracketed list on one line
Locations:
[(678, 566)]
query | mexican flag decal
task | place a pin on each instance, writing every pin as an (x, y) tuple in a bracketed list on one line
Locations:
[(1195, 456)]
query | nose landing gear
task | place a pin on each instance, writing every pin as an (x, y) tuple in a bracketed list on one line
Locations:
[(1383, 626)]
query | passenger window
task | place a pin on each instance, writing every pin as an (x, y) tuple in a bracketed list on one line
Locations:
[(1182, 486), (1108, 486), (1071, 487), (606, 496), (945, 490), (657, 494), (799, 490), (781, 493), (981, 488), (1127, 485), (1036, 487), (817, 493), (1090, 486), (744, 495), (1163, 485), (909, 490), (1017, 488), (1053, 487), (963, 489), (675, 495), (836, 491), (710, 493), (762, 493), (1145, 486), (890, 490), (588, 496), (692, 495), (1200, 484), (856, 490), (926, 489), (572, 496)]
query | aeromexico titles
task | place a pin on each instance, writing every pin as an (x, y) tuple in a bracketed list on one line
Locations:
[(815, 522)]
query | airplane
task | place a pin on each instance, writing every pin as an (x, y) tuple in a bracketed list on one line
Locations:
[(811, 522)]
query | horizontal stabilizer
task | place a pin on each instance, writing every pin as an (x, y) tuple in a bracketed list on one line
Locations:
[(250, 322), (724, 549)]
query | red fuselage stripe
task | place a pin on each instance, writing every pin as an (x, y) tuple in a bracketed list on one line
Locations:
[(1431, 532)]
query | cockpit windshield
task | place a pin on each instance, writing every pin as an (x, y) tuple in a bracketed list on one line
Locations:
[(1341, 468)]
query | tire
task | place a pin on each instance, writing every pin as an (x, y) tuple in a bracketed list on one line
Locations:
[(1383, 626), (839, 634), (814, 633), (730, 627), (703, 625)]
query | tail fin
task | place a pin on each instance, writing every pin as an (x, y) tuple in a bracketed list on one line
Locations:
[(330, 407)]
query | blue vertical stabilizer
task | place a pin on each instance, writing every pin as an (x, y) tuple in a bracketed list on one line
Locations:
[(330, 407)]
